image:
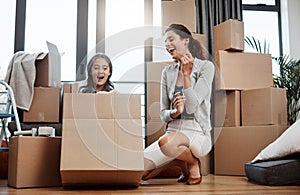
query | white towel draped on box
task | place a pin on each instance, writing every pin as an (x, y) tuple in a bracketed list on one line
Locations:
[(20, 76)]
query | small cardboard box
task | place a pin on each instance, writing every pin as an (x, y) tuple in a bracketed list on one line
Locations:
[(34, 162), (265, 106), (229, 36), (48, 68), (179, 12), (71, 87), (228, 110), (155, 128), (241, 71), (237, 145), (45, 106), (105, 130)]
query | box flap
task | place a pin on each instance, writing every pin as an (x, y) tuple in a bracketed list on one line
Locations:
[(54, 65)]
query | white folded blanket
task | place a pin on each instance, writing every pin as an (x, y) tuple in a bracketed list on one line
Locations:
[(20, 76)]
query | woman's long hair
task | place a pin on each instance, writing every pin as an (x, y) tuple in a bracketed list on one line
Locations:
[(194, 45), (90, 83)]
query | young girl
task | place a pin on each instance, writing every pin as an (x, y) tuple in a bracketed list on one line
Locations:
[(185, 106), (99, 73)]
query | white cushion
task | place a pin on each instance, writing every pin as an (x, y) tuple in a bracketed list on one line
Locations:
[(287, 143)]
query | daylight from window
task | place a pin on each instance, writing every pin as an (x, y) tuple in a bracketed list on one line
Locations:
[(255, 2), (263, 26), (7, 32)]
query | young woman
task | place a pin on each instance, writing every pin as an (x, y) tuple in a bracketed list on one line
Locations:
[(99, 72), (185, 106)]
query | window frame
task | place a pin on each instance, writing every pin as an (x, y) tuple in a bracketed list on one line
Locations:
[(269, 8)]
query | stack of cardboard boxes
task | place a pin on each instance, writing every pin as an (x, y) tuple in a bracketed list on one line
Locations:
[(254, 112), (34, 161), (47, 88)]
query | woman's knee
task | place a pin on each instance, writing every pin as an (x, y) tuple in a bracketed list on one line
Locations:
[(170, 143), (165, 146), (149, 164)]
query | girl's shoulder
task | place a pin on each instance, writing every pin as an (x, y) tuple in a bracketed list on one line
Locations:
[(109, 92)]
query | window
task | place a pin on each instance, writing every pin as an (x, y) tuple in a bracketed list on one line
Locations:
[(92, 14), (263, 26), (7, 31), (255, 2), (262, 21), (56, 24), (118, 30)]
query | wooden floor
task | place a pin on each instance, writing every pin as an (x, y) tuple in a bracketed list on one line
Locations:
[(211, 184)]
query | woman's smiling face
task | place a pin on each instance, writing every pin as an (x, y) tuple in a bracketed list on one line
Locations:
[(100, 71), (175, 45)]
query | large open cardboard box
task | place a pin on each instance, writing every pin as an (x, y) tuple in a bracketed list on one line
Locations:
[(48, 68), (102, 141)]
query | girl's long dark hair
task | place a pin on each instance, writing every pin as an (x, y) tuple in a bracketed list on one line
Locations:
[(194, 45), (90, 84)]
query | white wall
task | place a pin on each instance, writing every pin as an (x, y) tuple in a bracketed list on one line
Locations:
[(291, 27)]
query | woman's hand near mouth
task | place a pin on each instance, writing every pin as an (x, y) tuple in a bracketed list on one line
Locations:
[(187, 64)]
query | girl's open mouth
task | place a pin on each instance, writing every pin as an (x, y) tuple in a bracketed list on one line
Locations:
[(100, 78)]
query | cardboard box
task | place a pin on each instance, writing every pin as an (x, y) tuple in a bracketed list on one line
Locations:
[(265, 106), (241, 71), (108, 139), (205, 164), (3, 161), (153, 100), (48, 68), (228, 108), (155, 128), (237, 145), (71, 87), (34, 162), (179, 12), (202, 39), (45, 105), (154, 70), (229, 36)]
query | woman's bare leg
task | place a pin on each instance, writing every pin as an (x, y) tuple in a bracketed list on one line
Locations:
[(149, 168), (177, 145), (151, 171)]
